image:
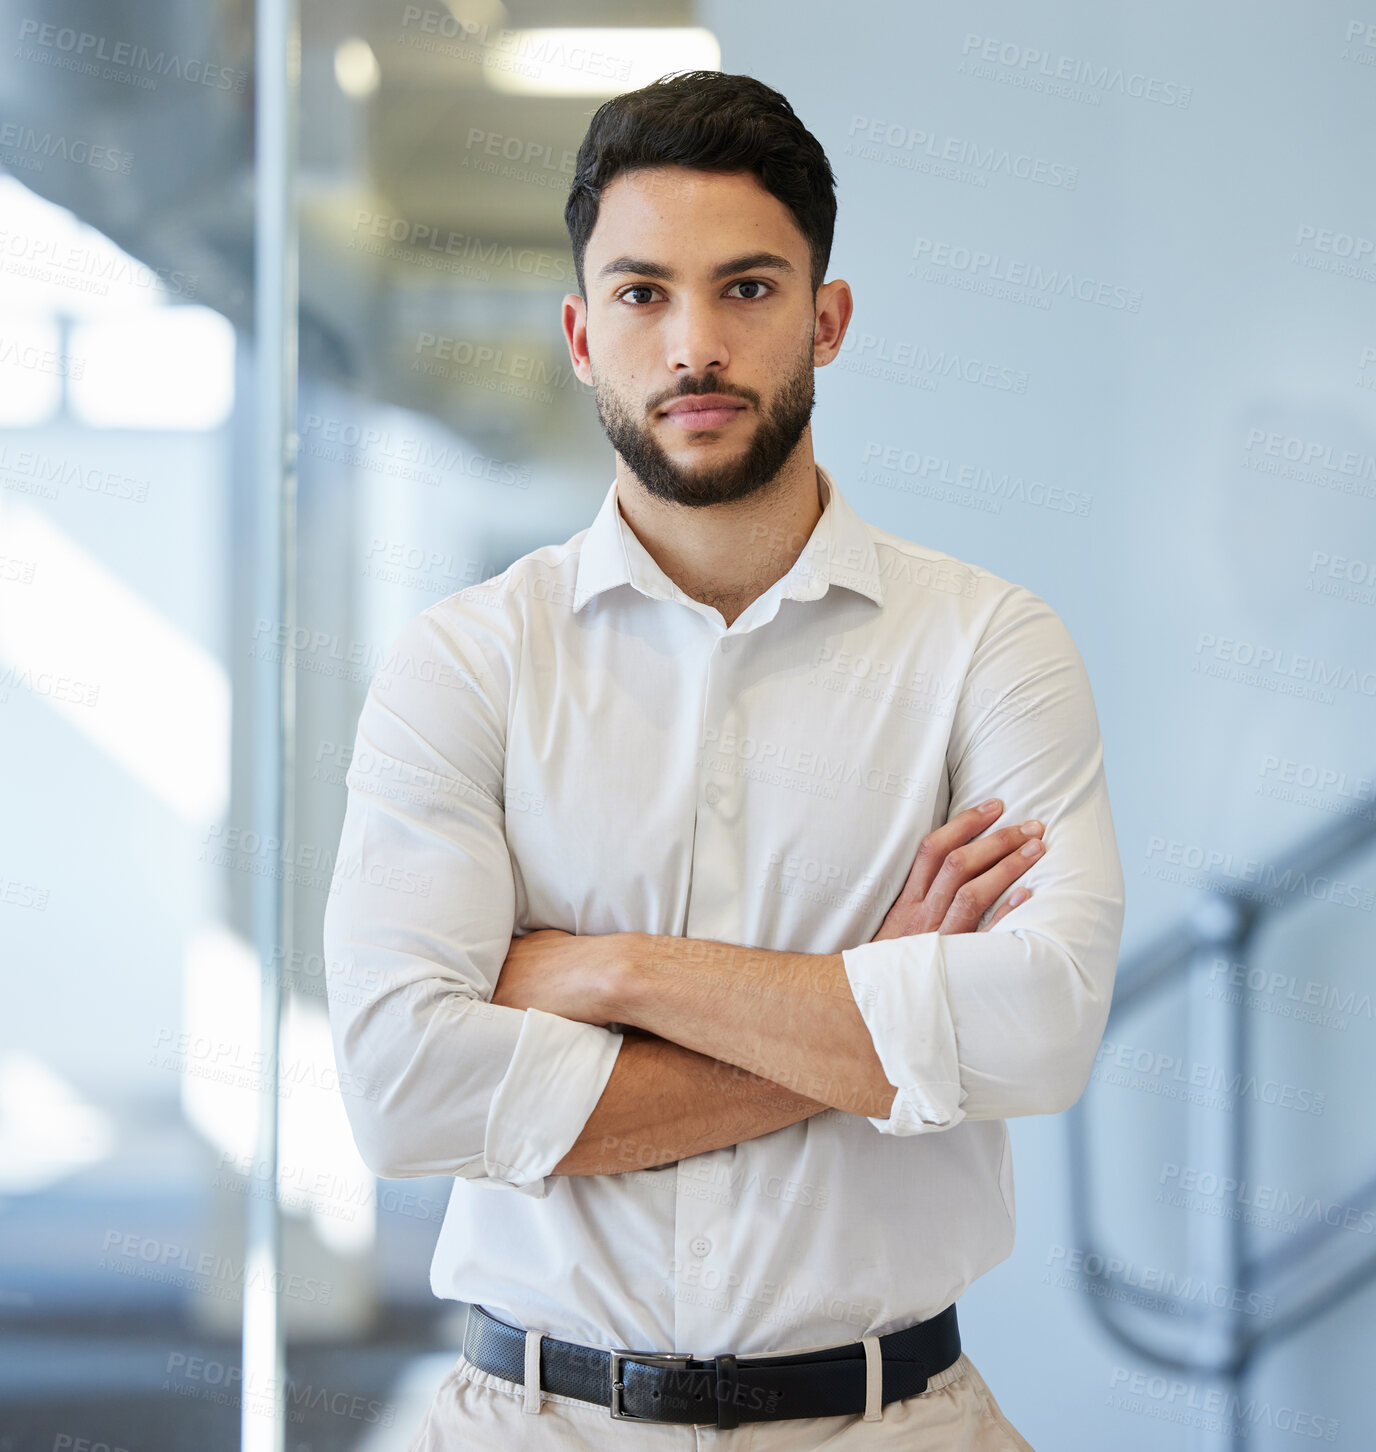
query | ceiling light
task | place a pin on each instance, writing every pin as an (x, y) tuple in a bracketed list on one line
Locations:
[(593, 61)]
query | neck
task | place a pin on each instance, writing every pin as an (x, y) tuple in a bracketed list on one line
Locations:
[(728, 555)]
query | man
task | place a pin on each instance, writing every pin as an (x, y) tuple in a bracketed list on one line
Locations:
[(655, 919)]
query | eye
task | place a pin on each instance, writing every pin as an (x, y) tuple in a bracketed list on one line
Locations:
[(635, 287), (754, 282)]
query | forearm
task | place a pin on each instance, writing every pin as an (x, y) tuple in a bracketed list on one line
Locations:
[(664, 1103), (788, 1017)]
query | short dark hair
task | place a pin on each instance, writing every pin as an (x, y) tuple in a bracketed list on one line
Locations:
[(707, 121)]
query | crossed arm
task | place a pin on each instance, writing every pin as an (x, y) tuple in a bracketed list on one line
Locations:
[(465, 1050), (726, 1043)]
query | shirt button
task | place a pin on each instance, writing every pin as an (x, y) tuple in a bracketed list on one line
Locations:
[(725, 646), (713, 794), (700, 1246)]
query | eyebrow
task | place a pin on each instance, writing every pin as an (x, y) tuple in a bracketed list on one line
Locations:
[(749, 262)]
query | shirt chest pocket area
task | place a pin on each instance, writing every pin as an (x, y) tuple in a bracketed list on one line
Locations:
[(601, 838)]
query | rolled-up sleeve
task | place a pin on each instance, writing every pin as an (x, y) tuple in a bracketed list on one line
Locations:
[(419, 921), (1006, 1022)]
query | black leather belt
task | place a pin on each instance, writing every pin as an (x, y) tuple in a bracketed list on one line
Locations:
[(724, 1390)]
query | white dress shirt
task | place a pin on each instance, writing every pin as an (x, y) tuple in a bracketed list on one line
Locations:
[(578, 744)]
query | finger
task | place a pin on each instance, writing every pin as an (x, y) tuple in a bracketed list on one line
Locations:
[(932, 850), (964, 864), (972, 901), (1014, 899), (912, 913)]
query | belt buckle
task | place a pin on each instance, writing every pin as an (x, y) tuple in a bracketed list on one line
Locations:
[(656, 1358)]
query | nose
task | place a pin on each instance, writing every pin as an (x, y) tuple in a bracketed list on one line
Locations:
[(696, 344)]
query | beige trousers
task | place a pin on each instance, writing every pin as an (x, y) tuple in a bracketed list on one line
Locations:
[(474, 1411)]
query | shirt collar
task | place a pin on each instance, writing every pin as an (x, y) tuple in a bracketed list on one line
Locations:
[(839, 551)]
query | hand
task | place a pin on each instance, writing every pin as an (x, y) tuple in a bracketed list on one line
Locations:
[(954, 881), (560, 973)]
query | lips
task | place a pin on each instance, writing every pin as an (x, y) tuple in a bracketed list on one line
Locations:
[(703, 411)]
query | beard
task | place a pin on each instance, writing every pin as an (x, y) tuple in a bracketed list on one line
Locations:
[(776, 436)]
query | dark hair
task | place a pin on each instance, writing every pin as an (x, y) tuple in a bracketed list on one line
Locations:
[(706, 121)]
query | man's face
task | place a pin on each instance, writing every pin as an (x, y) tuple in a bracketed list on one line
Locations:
[(698, 283)]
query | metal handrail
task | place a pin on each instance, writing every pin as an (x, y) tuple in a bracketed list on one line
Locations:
[(1226, 918)]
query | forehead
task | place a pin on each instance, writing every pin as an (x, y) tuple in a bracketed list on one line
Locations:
[(672, 211)]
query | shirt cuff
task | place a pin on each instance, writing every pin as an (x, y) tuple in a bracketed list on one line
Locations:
[(900, 989), (552, 1083)]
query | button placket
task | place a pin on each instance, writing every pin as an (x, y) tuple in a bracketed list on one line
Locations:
[(714, 792), (702, 1282)]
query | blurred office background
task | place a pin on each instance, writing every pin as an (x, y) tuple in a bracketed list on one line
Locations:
[(1115, 338)]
